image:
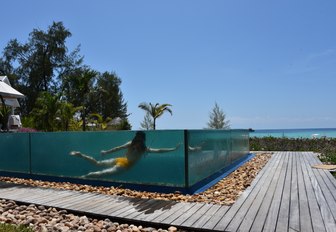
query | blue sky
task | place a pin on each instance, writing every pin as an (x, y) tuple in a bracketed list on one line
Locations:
[(268, 64)]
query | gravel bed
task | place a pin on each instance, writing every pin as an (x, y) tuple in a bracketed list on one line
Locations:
[(225, 192), (44, 219)]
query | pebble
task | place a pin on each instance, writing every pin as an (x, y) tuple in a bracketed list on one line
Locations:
[(63, 222)]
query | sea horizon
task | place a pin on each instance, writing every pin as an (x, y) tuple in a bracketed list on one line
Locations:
[(295, 133)]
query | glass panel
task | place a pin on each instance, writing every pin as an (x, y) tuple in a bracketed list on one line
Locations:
[(208, 153), (14, 155), (161, 164), (240, 144), (213, 150)]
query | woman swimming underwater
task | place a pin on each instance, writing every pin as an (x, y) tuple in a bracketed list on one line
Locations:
[(135, 149)]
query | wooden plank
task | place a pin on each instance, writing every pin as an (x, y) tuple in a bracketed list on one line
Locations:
[(12, 193), (329, 180), (60, 199), (305, 217), (196, 216), (332, 181), (217, 216), (117, 206), (206, 216), (155, 211), (32, 192), (269, 166), (161, 212), (55, 195), (88, 204), (127, 206), (283, 217), (267, 216), (134, 207), (35, 197), (248, 210), (146, 207), (182, 217), (238, 210), (8, 185), (324, 204), (315, 212), (69, 197), (112, 205), (327, 185), (187, 214), (174, 213), (294, 213), (261, 204), (81, 200), (174, 208), (10, 188), (63, 202), (106, 200)]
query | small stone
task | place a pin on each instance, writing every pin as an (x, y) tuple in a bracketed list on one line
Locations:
[(83, 220), (43, 228), (96, 229), (135, 229), (81, 228), (172, 229), (64, 228)]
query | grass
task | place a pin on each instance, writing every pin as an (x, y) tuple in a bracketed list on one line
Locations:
[(4, 227)]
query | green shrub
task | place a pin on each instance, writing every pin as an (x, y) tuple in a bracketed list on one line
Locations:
[(14, 228), (325, 146)]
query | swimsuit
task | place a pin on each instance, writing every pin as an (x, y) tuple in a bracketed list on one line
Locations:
[(123, 162)]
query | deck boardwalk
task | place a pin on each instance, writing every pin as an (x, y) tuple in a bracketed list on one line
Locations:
[(287, 195)]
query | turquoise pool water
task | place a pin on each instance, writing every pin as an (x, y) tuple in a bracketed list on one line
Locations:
[(151, 168)]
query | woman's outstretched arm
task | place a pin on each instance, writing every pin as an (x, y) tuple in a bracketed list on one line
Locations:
[(104, 152), (162, 150)]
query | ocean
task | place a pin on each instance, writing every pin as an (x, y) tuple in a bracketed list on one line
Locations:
[(296, 133)]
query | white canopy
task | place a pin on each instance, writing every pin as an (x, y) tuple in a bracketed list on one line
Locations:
[(8, 93)]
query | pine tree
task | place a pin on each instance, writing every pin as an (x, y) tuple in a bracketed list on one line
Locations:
[(147, 123), (217, 119)]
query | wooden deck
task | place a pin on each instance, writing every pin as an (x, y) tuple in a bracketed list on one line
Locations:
[(287, 195)]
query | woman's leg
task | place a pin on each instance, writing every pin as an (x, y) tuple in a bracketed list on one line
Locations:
[(108, 162), (108, 171)]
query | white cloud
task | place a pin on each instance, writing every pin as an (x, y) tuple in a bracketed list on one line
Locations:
[(313, 62)]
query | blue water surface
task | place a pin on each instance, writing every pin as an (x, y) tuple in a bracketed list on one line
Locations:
[(296, 133)]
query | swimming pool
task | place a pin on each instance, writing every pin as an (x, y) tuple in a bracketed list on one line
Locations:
[(173, 160)]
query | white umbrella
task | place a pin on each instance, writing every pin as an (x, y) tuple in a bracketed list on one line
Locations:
[(9, 95), (7, 91)]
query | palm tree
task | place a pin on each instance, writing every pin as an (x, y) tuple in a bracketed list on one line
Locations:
[(155, 111), (66, 114), (5, 111), (45, 111)]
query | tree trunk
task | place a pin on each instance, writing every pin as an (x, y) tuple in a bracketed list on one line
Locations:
[(84, 121)]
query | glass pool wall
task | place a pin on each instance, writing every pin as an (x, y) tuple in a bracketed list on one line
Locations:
[(211, 151), (176, 158)]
